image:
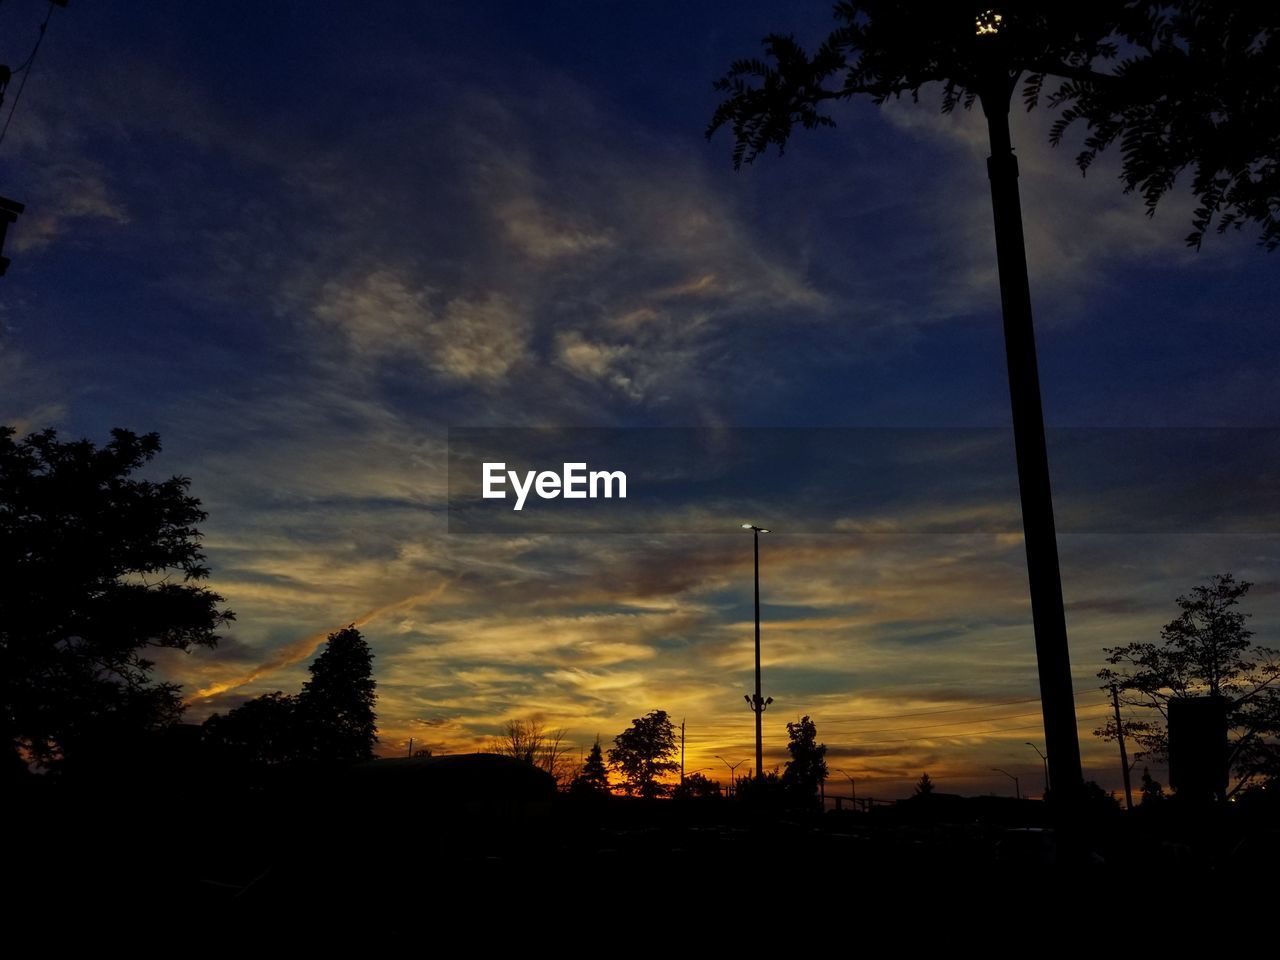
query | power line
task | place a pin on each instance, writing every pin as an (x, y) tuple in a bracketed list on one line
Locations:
[(929, 726), (856, 737), (930, 713), (25, 70), (942, 736), (953, 736), (953, 723)]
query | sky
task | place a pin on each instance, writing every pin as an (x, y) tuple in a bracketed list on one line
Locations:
[(304, 242)]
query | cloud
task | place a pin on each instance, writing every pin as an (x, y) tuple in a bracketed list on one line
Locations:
[(488, 255), (573, 271), (383, 317), (301, 649), (66, 195), (1077, 229), (31, 399), (541, 234)]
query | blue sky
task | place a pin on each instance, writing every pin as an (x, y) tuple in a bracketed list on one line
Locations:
[(301, 241)]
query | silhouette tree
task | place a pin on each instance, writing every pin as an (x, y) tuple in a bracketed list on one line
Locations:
[(1152, 791), (521, 739), (643, 753), (1189, 84), (1176, 84), (530, 741), (593, 778), (807, 768), (1206, 651), (1096, 800), (331, 720), (765, 795), (97, 567), (697, 786), (336, 705), (263, 732), (924, 786)]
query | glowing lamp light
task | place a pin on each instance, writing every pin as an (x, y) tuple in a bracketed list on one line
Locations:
[(988, 23)]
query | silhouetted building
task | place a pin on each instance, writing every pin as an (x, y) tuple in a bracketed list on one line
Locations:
[(471, 785)]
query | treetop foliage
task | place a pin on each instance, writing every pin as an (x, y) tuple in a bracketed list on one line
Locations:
[(593, 778), (331, 720), (807, 769), (643, 754), (1185, 85), (98, 566)]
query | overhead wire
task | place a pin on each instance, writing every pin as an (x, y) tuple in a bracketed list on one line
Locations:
[(955, 723), (930, 713), (25, 69)]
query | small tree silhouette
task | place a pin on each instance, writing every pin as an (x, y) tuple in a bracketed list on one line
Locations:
[(530, 741), (1206, 650), (593, 778), (263, 732), (697, 786), (807, 768), (337, 703), (924, 786), (331, 720), (643, 753), (1152, 790)]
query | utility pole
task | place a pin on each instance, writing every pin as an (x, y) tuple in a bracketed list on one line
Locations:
[(853, 787), (9, 209), (411, 746), (1124, 756), (758, 703), (1053, 659), (1017, 789), (682, 749)]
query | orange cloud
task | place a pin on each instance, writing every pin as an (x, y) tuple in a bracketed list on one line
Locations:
[(305, 647)]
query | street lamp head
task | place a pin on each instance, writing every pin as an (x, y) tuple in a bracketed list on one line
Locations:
[(987, 23), (752, 526)]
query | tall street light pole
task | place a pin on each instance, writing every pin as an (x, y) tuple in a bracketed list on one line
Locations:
[(1053, 658), (853, 787), (1017, 790), (758, 703), (1045, 760), (732, 767)]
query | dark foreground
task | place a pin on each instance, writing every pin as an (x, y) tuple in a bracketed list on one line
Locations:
[(325, 840)]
